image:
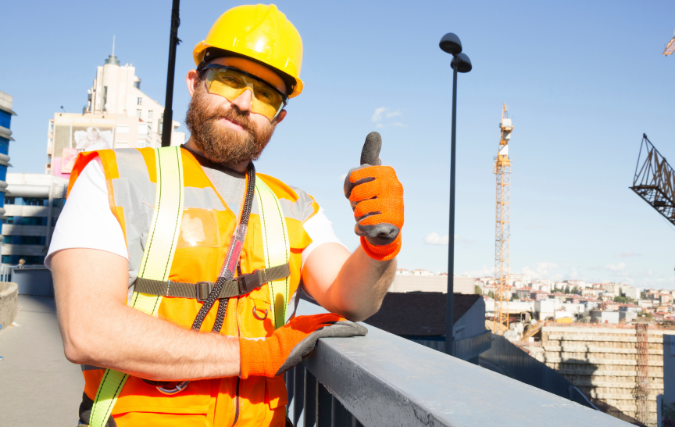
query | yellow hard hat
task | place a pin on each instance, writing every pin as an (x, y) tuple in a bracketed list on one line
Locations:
[(261, 33)]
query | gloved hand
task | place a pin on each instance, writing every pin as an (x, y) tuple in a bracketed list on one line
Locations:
[(272, 356), (376, 195)]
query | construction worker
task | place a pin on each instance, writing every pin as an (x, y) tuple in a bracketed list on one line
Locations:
[(156, 245)]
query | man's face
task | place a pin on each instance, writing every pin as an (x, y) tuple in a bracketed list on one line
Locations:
[(228, 132)]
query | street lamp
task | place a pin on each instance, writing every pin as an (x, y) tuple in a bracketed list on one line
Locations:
[(460, 63), (167, 120)]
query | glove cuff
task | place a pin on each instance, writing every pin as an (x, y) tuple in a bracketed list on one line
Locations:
[(384, 252), (250, 361)]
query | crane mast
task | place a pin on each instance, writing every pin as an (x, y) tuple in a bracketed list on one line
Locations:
[(503, 171)]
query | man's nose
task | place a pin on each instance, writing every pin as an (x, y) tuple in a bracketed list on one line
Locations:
[(243, 101)]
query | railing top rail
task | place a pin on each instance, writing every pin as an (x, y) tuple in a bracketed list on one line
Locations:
[(385, 380)]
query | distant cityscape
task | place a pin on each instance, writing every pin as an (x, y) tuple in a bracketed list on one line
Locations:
[(565, 301)]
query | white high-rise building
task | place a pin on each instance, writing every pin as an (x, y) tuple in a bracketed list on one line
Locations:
[(117, 115)]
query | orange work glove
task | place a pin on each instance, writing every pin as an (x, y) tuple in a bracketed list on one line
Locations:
[(272, 356), (376, 196)]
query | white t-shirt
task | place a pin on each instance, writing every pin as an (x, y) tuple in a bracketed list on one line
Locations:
[(87, 221)]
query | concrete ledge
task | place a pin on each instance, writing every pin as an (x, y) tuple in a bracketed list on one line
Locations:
[(9, 303)]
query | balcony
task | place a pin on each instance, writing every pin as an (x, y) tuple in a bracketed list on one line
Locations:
[(385, 380)]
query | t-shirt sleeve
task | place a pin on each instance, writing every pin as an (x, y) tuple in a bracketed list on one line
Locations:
[(320, 230), (86, 220)]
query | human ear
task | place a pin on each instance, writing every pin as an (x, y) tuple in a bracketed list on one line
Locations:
[(192, 80)]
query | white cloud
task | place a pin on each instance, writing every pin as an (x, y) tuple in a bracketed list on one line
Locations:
[(616, 267), (377, 115), (386, 113), (434, 238), (629, 254), (542, 270), (481, 272)]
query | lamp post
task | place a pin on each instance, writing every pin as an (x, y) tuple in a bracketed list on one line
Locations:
[(460, 63), (167, 121)]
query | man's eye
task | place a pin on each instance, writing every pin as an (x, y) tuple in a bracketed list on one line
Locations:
[(265, 94)]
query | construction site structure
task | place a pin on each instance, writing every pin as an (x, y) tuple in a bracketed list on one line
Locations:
[(654, 180), (618, 367), (670, 47), (502, 230)]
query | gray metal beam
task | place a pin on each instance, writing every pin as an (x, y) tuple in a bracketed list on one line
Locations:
[(385, 380)]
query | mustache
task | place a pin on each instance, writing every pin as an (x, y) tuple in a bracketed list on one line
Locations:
[(232, 114)]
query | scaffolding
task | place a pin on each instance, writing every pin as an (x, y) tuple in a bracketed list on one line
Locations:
[(641, 390), (502, 233)]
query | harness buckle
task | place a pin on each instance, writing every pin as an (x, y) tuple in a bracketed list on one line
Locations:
[(203, 290), (249, 282)]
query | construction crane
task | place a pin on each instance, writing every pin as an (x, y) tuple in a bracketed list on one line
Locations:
[(503, 171), (654, 180), (670, 47)]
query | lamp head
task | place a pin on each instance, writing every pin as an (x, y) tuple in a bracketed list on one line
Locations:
[(450, 44), (462, 62)]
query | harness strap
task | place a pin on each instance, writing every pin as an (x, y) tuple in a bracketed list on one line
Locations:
[(156, 264), (240, 285)]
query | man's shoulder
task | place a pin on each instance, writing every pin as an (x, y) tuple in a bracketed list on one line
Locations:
[(299, 204), (283, 190)]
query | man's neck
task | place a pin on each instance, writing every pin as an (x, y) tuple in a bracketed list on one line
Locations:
[(239, 167)]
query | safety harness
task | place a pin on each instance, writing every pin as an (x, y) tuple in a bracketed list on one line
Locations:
[(153, 284)]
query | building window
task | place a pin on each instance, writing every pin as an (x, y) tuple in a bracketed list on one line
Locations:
[(7, 239), (30, 260), (35, 201), (139, 112), (8, 220), (139, 101), (149, 114)]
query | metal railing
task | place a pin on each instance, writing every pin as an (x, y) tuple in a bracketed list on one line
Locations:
[(521, 366), (386, 380)]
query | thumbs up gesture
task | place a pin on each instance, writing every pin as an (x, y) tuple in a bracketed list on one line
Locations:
[(376, 196)]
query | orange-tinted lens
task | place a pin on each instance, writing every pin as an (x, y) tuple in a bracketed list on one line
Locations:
[(230, 84)]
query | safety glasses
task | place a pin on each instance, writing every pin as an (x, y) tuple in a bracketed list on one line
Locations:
[(230, 83)]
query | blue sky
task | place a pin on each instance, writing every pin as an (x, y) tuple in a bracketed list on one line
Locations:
[(583, 81)]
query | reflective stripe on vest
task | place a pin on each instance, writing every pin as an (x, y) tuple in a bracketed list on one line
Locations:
[(155, 265), (160, 249), (277, 248)]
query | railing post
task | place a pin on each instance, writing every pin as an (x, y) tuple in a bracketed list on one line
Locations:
[(341, 416), (311, 396), (325, 407), (299, 401)]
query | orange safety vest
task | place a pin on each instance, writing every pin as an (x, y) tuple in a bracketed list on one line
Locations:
[(257, 401)]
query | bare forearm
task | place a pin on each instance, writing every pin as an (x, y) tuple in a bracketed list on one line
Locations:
[(130, 341), (360, 286), (98, 328)]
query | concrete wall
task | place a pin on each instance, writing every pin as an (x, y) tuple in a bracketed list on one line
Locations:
[(34, 281), (410, 283), (472, 323), (602, 362), (9, 303)]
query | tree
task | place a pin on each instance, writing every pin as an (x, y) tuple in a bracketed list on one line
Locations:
[(576, 290), (514, 297), (623, 299), (491, 294), (477, 290), (567, 289)]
